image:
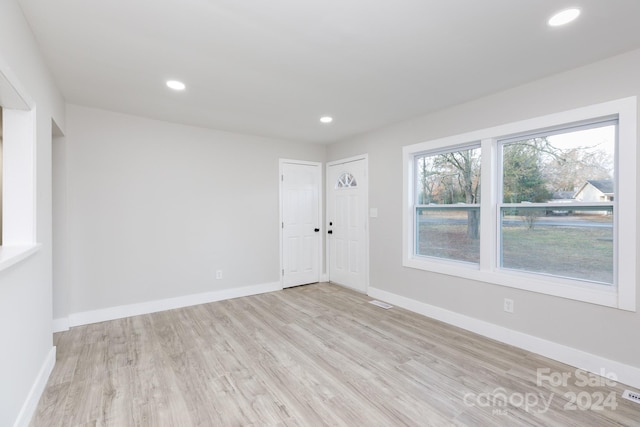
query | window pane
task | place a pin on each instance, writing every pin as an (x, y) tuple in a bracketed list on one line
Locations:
[(346, 180), (448, 178), (576, 164), (449, 233), (576, 243), (442, 180)]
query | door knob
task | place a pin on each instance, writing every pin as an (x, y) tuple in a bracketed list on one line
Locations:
[(316, 229), (330, 232)]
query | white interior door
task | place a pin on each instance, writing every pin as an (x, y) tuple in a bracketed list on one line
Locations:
[(347, 223), (301, 237)]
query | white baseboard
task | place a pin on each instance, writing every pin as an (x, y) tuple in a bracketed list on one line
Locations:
[(324, 278), (122, 311), (31, 403), (625, 374)]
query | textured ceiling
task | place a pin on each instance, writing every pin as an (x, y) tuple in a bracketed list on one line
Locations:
[(272, 68)]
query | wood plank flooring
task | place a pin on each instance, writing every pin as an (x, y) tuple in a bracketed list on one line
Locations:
[(308, 356)]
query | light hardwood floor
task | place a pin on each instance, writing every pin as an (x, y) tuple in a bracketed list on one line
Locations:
[(307, 356)]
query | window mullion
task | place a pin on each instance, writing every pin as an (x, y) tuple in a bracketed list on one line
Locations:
[(488, 211)]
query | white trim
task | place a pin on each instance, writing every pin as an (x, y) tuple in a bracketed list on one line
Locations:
[(626, 374), (14, 95), (31, 403), (122, 311), (281, 215), (548, 285), (621, 296), (11, 255), (626, 206), (19, 170), (364, 157), (349, 160)]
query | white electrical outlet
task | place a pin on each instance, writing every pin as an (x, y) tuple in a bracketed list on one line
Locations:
[(508, 305), (218, 274)]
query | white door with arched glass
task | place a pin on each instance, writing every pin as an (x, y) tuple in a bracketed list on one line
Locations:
[(347, 222)]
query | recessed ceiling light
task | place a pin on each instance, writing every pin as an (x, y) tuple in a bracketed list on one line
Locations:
[(326, 119), (175, 85), (563, 17)]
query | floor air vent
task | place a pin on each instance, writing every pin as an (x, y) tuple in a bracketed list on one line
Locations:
[(381, 304), (632, 396)]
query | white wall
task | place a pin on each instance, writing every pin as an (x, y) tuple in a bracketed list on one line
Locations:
[(601, 331), (25, 289), (60, 260), (155, 208)]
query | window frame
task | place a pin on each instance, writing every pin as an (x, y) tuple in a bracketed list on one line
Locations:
[(472, 145), (623, 294), (19, 216), (501, 204)]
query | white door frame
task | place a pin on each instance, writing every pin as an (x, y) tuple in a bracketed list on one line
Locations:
[(281, 164), (328, 185)]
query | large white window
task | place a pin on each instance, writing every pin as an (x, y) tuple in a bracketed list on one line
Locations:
[(557, 213)]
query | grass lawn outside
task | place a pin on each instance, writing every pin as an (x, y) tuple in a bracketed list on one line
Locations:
[(578, 247), (584, 253)]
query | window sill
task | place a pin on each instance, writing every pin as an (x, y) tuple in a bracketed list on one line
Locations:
[(13, 254), (575, 290)]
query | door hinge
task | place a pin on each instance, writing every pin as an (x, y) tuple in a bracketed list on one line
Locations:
[(282, 178), (283, 225), (283, 271)]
